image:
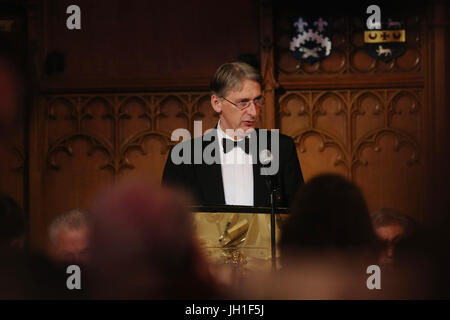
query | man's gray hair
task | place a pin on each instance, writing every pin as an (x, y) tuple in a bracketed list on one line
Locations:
[(388, 216), (230, 76), (73, 219)]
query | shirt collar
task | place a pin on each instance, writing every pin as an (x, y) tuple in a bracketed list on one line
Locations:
[(221, 134)]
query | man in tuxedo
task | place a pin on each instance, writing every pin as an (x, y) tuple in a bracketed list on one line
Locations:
[(224, 167)]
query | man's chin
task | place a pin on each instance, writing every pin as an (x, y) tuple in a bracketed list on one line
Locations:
[(248, 126)]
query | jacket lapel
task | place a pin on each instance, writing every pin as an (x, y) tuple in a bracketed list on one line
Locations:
[(260, 192), (211, 176)]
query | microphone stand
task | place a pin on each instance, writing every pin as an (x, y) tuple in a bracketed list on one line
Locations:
[(271, 188), (271, 185)]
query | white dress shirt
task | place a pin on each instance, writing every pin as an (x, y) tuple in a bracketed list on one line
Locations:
[(237, 173)]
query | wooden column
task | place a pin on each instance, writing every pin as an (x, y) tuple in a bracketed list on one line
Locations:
[(267, 64), (36, 34), (437, 95)]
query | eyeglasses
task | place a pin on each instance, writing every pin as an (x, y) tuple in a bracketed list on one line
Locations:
[(244, 104)]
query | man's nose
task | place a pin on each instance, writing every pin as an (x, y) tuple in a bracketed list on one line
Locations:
[(252, 110)]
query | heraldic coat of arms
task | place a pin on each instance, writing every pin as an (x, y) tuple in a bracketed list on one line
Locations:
[(312, 39), (385, 40)]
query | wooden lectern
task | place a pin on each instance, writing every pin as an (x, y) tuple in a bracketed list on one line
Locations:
[(237, 239)]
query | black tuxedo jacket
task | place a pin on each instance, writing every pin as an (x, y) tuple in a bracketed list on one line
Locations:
[(204, 181)]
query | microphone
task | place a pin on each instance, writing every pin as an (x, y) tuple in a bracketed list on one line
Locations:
[(266, 157)]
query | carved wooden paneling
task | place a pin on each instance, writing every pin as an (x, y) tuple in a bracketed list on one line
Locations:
[(92, 140), (75, 175), (389, 177), (366, 119), (118, 123), (374, 137)]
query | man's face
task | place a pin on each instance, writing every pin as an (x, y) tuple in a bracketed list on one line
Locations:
[(389, 235), (72, 245), (233, 118)]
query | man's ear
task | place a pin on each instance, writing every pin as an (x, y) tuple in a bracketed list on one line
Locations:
[(216, 103)]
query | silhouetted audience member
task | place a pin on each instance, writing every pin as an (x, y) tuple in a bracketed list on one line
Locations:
[(144, 247), (25, 274), (28, 275), (437, 242), (326, 245), (69, 237), (391, 227), (13, 224), (328, 213)]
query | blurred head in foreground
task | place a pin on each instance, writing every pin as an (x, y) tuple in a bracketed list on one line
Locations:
[(328, 213), (144, 246), (327, 243), (69, 237)]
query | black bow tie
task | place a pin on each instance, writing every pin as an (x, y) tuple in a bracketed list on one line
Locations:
[(228, 144)]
